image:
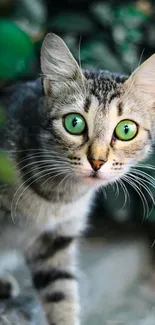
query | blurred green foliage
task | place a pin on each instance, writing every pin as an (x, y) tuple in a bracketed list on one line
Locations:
[(7, 171), (16, 51), (111, 35)]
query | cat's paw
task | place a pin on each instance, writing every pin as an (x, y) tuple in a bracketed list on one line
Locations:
[(9, 287)]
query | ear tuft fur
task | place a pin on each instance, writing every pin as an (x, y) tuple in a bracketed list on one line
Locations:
[(57, 61), (143, 78)]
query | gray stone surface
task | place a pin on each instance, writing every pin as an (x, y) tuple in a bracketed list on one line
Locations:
[(25, 309), (111, 288), (113, 291)]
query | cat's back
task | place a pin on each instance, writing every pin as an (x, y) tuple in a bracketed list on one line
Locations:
[(18, 99), (12, 97)]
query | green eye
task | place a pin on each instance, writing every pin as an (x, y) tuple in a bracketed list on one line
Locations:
[(126, 130), (74, 123)]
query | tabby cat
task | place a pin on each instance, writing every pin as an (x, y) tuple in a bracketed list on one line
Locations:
[(67, 134)]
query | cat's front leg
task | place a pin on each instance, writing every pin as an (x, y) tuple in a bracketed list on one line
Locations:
[(51, 261)]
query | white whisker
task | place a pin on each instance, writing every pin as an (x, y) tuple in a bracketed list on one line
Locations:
[(131, 182), (24, 183), (43, 162), (125, 191), (59, 158)]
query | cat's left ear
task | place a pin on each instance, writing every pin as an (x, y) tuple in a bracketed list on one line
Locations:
[(143, 78), (58, 64)]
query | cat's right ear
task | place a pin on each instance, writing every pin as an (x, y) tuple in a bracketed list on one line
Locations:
[(143, 78), (58, 64)]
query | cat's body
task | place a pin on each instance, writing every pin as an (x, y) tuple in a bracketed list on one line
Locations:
[(25, 215), (61, 135)]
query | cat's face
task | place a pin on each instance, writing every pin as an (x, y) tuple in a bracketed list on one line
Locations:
[(103, 124)]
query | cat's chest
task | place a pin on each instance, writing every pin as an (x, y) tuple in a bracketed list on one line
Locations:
[(37, 216)]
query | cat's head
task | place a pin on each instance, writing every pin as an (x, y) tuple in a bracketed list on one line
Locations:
[(104, 123)]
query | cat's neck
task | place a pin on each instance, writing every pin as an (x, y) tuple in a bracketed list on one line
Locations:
[(25, 199), (31, 210)]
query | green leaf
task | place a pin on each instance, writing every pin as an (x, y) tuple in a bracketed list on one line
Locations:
[(7, 171), (16, 50)]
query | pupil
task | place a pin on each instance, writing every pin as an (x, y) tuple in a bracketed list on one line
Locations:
[(74, 122), (126, 129)]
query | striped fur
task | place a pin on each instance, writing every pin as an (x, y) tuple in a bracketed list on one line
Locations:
[(55, 280)]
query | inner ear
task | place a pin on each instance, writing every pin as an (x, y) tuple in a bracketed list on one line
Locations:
[(58, 64), (143, 78)]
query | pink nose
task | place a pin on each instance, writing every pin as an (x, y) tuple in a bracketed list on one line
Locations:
[(96, 164)]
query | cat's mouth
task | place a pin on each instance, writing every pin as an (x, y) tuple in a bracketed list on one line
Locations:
[(92, 178), (94, 175)]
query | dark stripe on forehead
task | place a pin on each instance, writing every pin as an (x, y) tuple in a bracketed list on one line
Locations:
[(120, 109), (114, 95), (87, 105)]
